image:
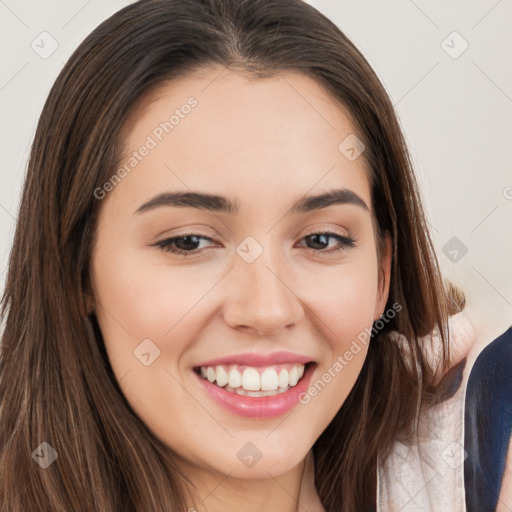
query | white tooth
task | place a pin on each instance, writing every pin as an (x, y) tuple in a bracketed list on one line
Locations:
[(269, 380), (283, 378), (234, 378), (301, 370), (293, 375), (241, 391), (210, 373), (257, 394), (203, 372), (221, 376), (251, 379)]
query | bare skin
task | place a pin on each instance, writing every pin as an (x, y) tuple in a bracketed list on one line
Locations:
[(264, 143)]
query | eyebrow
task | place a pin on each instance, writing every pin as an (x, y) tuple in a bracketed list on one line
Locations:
[(216, 203)]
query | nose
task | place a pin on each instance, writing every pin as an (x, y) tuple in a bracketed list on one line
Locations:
[(261, 298)]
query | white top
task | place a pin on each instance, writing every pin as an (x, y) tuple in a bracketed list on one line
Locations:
[(429, 475)]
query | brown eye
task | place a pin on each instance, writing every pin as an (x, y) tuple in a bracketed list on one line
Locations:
[(182, 245), (321, 240)]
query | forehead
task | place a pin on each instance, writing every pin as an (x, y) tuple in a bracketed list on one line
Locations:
[(276, 136)]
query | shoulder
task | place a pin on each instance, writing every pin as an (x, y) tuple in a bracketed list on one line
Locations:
[(489, 388), (488, 422), (495, 357)]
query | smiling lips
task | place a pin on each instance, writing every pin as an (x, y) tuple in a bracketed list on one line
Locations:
[(254, 381), (256, 385)]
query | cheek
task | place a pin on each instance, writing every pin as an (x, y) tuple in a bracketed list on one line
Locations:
[(344, 298), (139, 300), (344, 307)]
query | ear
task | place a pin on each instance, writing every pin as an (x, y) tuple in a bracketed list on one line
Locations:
[(386, 257)]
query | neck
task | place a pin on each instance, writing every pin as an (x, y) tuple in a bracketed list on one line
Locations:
[(289, 492)]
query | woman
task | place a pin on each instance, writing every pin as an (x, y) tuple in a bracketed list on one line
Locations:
[(222, 290)]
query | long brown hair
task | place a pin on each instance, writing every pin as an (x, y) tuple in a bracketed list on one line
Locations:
[(56, 383)]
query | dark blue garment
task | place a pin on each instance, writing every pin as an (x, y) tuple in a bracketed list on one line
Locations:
[(488, 424)]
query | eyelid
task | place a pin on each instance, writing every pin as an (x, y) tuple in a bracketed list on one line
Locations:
[(319, 228)]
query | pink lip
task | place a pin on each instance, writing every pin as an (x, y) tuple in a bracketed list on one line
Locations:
[(259, 359), (258, 407)]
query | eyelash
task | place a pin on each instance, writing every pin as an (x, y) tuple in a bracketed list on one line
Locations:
[(166, 244)]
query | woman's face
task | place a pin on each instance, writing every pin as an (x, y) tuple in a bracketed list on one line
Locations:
[(277, 284)]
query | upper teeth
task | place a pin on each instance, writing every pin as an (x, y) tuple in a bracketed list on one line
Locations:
[(251, 379)]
